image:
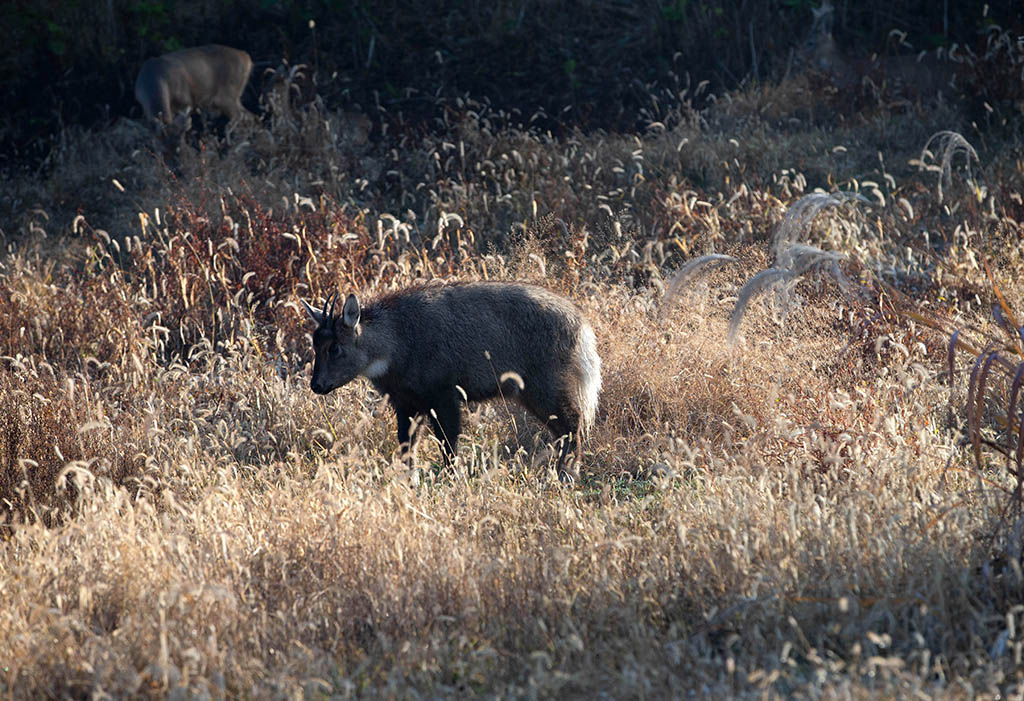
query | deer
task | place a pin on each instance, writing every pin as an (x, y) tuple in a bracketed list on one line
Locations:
[(203, 77), (922, 75), (430, 348)]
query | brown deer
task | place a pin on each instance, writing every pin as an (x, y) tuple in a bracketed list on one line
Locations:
[(430, 348), (202, 77), (916, 77)]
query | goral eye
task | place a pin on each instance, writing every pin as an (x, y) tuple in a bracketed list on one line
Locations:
[(337, 350)]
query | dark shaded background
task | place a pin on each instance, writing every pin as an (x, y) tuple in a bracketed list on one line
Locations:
[(586, 63)]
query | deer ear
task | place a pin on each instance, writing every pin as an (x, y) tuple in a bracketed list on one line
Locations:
[(350, 313), (314, 314)]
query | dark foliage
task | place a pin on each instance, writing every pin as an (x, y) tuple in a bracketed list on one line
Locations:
[(597, 63)]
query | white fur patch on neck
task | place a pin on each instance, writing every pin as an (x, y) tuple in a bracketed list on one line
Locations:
[(375, 369)]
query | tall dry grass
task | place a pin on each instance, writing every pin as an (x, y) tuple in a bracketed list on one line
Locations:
[(797, 513)]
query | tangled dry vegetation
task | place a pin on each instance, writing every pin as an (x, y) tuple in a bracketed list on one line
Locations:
[(811, 510)]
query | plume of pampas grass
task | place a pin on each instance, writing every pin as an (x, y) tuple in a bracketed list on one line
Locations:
[(691, 269), (950, 143), (801, 212), (754, 286), (792, 258), (800, 259)]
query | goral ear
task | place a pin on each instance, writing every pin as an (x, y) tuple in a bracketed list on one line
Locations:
[(350, 312), (314, 314)]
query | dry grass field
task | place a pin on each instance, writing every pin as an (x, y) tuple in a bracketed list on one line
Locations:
[(817, 509)]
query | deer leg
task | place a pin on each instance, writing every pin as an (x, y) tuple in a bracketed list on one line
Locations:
[(404, 437), (567, 434), (564, 422), (406, 434), (446, 420)]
